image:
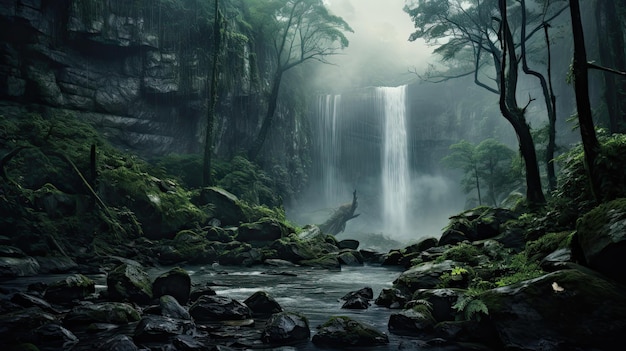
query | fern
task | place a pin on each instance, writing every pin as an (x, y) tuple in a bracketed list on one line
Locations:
[(470, 308)]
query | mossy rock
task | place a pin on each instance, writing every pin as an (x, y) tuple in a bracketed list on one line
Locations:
[(423, 276), (414, 321), (74, 287), (329, 261), (106, 312), (129, 282), (176, 282), (602, 238), (568, 307), (227, 207), (341, 331), (262, 232)]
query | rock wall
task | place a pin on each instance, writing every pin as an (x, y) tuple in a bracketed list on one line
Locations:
[(138, 74)]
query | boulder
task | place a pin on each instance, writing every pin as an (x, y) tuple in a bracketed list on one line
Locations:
[(350, 257), (118, 343), (227, 208), (53, 335), (423, 276), (16, 325), (262, 303), (11, 267), (105, 312), (175, 282), (391, 298), (218, 308), (341, 332), (129, 282), (557, 311), (286, 328), (348, 244), (201, 291), (74, 287), (451, 237), (356, 303), (160, 328), (171, 308), (26, 300), (422, 245), (414, 321), (366, 293), (262, 232), (441, 301), (602, 238), (56, 264), (556, 260)]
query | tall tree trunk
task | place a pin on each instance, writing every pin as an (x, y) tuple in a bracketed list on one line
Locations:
[(548, 97), (611, 43), (515, 115), (583, 106), (210, 121), (254, 151)]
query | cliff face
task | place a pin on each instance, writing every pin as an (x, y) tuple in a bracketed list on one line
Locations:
[(138, 73)]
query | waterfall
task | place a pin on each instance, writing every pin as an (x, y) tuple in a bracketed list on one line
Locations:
[(395, 163), (328, 107)]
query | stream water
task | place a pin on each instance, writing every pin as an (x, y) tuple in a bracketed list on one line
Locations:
[(316, 293)]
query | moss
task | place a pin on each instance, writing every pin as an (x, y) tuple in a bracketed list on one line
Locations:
[(540, 248), (464, 253)]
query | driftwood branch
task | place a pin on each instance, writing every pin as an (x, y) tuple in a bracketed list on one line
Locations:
[(337, 222)]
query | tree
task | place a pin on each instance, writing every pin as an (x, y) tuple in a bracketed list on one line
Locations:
[(212, 91), (463, 156), (489, 164), (479, 33), (298, 31)]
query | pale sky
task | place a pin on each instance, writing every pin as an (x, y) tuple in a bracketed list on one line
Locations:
[(379, 50)]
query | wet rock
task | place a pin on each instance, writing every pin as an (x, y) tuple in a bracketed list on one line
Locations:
[(262, 232), (286, 328), (218, 308), (391, 298), (556, 260), (129, 282), (350, 257), (414, 321), (262, 303), (348, 244), (392, 258), (26, 300), (327, 262), (602, 238), (472, 331), (53, 336), (340, 332), (56, 264), (422, 245), (441, 301), (175, 282), (423, 276), (451, 237), (201, 291), (74, 287), (242, 255), (171, 308), (188, 343), (16, 325), (105, 312), (310, 232), (118, 343), (557, 310), (275, 262), (160, 328), (366, 293), (226, 204), (356, 303), (11, 267)]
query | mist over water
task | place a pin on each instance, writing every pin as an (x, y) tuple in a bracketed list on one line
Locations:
[(384, 143)]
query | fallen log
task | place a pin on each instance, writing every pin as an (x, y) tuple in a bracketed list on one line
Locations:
[(337, 221)]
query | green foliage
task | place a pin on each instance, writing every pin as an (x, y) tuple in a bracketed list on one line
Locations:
[(247, 181), (463, 252), (538, 249), (489, 165), (470, 307), (573, 196), (520, 268)]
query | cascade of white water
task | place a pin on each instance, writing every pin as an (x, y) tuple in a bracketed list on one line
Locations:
[(395, 167), (329, 145)]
